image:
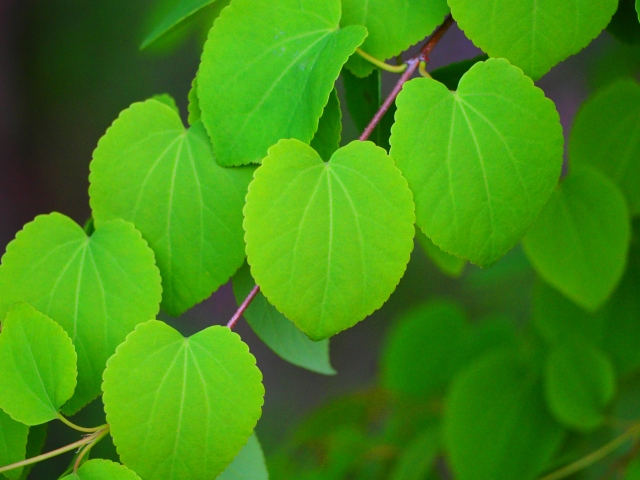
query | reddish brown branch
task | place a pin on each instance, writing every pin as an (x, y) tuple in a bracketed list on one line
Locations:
[(243, 307)]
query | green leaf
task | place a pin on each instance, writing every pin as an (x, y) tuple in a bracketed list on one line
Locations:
[(579, 383), (448, 264), (249, 464), (13, 443), (328, 242), (496, 423), (421, 353), (289, 54), (278, 332), (559, 320), (327, 139), (38, 365), (579, 243), (97, 288), (393, 25), (149, 170), (99, 469), (418, 458), (451, 74), (606, 135), (195, 114), (35, 444), (168, 100), (181, 408), (481, 162), (624, 25), (532, 35), (633, 471), (183, 10)]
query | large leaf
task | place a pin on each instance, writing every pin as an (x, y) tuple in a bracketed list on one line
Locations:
[(606, 135), (181, 408), (579, 243), (328, 242), (288, 54), (327, 139), (496, 422), (481, 162), (97, 288), (99, 469), (532, 34), (176, 17), (37, 366), (278, 332), (13, 444), (249, 464), (149, 170), (393, 25), (579, 383)]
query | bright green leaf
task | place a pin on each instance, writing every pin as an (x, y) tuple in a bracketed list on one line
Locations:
[(278, 332), (195, 114), (448, 264), (97, 288), (13, 443), (481, 162), (606, 135), (149, 170), (181, 408), (99, 469), (249, 464), (327, 139), (168, 100), (37, 365), (579, 382), (393, 25), (579, 243), (421, 354), (451, 74), (496, 423), (328, 242), (532, 34), (180, 13), (418, 458), (35, 444), (288, 55)]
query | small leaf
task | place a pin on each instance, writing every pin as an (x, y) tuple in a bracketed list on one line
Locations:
[(532, 35), (579, 382), (278, 332), (481, 162), (447, 264), (421, 354), (327, 139), (418, 458), (451, 74), (579, 243), (168, 100), (496, 422), (194, 103), (38, 365), (35, 444), (181, 408), (149, 170), (99, 469), (249, 464), (289, 54), (97, 288), (328, 242), (13, 443), (606, 135), (393, 25), (176, 17)]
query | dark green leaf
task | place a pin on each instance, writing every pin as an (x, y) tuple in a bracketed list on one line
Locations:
[(327, 139), (624, 24), (417, 459), (249, 464), (448, 264), (35, 444), (13, 444), (451, 74), (194, 104)]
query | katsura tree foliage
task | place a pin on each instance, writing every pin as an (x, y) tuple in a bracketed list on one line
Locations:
[(315, 234)]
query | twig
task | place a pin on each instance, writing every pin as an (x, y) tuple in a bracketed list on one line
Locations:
[(243, 307)]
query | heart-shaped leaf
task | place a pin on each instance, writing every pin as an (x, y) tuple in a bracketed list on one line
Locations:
[(149, 170), (13, 444), (249, 464), (181, 407), (579, 383), (37, 366), (481, 162), (289, 54), (278, 332), (496, 421), (579, 243), (97, 288), (606, 135), (532, 34), (393, 25), (328, 242), (99, 469)]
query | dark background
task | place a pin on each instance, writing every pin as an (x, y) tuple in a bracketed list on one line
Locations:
[(68, 67)]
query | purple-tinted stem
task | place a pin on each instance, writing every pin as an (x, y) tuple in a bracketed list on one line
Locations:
[(243, 307)]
